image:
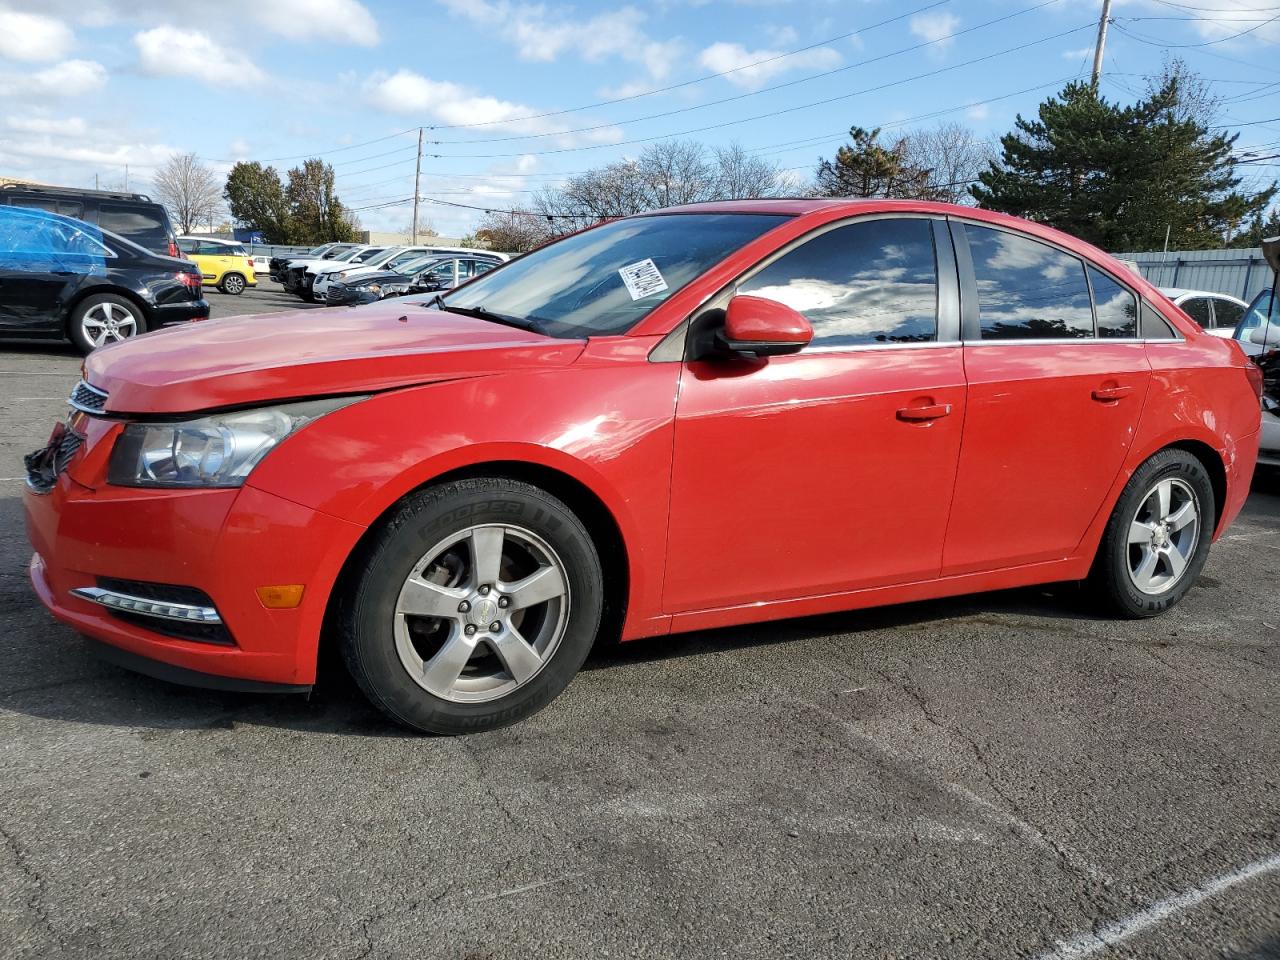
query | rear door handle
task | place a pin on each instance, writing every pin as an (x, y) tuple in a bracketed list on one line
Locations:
[(1111, 394), (931, 412)]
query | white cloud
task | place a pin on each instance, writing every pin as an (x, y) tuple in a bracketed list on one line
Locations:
[(32, 37), (71, 78), (48, 126), (1077, 54), (935, 27), (541, 36), (721, 57), (979, 111), (173, 52), (408, 92), (340, 20)]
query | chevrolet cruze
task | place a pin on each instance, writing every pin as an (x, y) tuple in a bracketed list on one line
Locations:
[(704, 416)]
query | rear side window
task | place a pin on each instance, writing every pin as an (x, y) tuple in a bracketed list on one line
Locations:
[(68, 208), (1227, 314), (1028, 289), (1115, 307), (144, 225), (1197, 308), (870, 282)]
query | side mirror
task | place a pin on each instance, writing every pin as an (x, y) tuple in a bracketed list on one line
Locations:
[(763, 327)]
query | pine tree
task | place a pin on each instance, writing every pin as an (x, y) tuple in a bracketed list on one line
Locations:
[(255, 197), (1119, 176), (867, 168)]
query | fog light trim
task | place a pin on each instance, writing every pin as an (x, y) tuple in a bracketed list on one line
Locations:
[(127, 603)]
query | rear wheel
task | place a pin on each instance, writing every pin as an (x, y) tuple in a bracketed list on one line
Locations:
[(477, 603), (1157, 540), (232, 283), (104, 318)]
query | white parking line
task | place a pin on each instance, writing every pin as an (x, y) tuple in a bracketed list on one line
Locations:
[(1087, 944)]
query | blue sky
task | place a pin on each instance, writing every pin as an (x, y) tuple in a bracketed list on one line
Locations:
[(515, 95)]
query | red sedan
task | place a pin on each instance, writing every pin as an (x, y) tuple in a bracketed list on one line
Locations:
[(705, 416)]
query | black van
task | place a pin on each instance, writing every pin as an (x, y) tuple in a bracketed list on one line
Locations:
[(134, 216)]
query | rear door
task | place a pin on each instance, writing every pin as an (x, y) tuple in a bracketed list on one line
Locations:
[(1057, 378)]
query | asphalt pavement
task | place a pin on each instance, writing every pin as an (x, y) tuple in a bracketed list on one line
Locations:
[(1005, 775)]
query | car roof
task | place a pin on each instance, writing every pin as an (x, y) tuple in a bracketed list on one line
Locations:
[(229, 243), (1173, 293)]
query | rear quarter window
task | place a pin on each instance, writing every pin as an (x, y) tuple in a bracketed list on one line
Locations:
[(144, 224)]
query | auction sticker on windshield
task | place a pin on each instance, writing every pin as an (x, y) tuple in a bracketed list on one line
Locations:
[(642, 279)]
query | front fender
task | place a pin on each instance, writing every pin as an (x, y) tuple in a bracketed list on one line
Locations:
[(607, 427)]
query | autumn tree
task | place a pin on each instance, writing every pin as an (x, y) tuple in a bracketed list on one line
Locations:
[(255, 197), (316, 215)]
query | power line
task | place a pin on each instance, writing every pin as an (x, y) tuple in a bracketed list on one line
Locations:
[(755, 93), (687, 83), (1188, 46), (780, 112)]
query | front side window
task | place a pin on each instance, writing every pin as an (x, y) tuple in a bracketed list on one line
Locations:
[(364, 256), (1197, 308), (605, 280), (1028, 290), (1115, 307), (870, 282)]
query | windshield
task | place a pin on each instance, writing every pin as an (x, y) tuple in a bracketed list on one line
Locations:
[(366, 255), (346, 255), (418, 263), (604, 280)]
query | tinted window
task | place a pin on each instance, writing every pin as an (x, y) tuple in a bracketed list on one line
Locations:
[(68, 208), (1028, 289), (870, 282), (1198, 309), (482, 265), (606, 279), (1226, 313), (140, 224), (187, 246), (1115, 307)]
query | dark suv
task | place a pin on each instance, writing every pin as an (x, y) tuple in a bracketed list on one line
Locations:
[(63, 278), (134, 216)]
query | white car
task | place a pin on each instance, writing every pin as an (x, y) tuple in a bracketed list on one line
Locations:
[(299, 274), (1259, 334), (1217, 313), (390, 259)]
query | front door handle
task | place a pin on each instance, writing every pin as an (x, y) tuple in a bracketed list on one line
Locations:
[(931, 412), (1111, 394)]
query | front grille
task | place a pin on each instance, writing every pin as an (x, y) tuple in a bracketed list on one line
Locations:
[(167, 593), (88, 398)]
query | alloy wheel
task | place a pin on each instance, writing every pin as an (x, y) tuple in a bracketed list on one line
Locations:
[(234, 284), (1163, 536), (108, 322), (482, 613)]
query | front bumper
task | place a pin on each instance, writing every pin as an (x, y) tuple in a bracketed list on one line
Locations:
[(226, 543), (340, 295)]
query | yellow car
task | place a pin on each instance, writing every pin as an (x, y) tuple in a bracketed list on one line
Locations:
[(223, 263)]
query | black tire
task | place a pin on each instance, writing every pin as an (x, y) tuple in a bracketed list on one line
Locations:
[(97, 308), (1111, 578), (366, 614), (232, 284)]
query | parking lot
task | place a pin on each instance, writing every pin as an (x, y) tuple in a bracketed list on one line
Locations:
[(1000, 775)]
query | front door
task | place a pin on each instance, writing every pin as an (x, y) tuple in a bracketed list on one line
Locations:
[(1057, 379), (831, 469)]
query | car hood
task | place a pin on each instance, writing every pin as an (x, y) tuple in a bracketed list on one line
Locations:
[(243, 361)]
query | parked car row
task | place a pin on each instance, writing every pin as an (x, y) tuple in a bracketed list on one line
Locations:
[(312, 277)]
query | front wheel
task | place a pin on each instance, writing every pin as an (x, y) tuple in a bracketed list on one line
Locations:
[(232, 283), (1157, 540), (476, 605)]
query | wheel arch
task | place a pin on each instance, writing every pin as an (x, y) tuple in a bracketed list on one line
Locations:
[(1214, 465), (590, 507)]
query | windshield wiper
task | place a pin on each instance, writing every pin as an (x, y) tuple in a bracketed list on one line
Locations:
[(481, 313)]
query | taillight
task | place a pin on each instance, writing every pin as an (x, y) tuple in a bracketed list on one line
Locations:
[(189, 280), (1254, 373), (173, 249), (249, 263)]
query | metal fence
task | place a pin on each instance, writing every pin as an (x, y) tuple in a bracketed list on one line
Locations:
[(1241, 273)]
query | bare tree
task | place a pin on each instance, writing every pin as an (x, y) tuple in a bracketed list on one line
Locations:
[(514, 231), (665, 174), (951, 156), (189, 189)]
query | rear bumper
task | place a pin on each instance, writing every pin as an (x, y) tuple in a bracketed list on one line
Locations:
[(166, 314), (225, 543)]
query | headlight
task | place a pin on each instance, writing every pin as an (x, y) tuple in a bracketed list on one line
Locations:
[(386, 288), (341, 274), (218, 450)]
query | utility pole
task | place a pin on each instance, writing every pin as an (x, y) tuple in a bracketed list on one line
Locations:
[(1102, 40), (417, 175)]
